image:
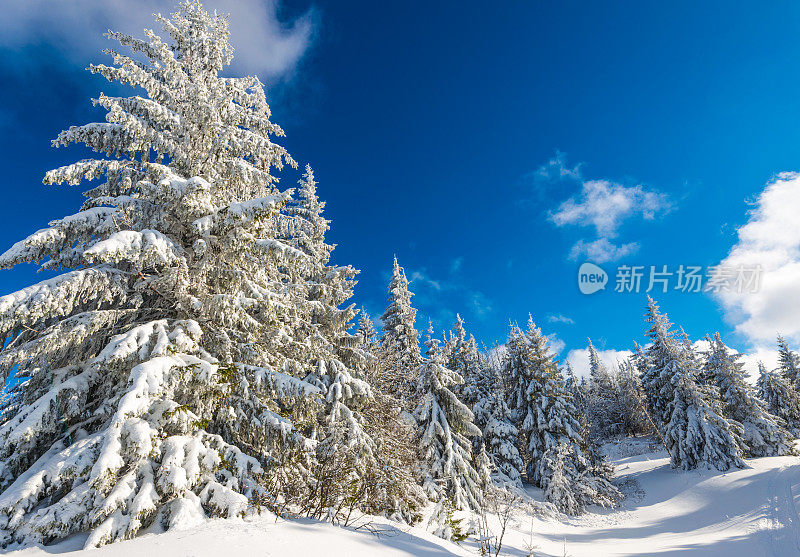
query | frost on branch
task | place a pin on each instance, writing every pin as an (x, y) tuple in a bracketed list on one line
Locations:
[(116, 465)]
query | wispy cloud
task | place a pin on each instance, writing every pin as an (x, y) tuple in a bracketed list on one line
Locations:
[(420, 277), (481, 305), (439, 298), (264, 45), (603, 205), (557, 169), (559, 318), (602, 250)]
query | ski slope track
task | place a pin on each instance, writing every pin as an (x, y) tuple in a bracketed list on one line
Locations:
[(741, 513)]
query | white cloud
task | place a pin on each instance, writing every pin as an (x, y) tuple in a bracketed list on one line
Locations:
[(579, 359), (602, 250), (603, 205), (770, 239), (560, 318), (263, 45)]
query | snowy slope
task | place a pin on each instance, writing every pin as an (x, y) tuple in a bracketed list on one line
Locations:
[(264, 537), (744, 513)]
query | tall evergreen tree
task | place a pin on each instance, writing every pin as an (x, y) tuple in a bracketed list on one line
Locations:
[(601, 377), (493, 417), (345, 453), (445, 425), (399, 349), (762, 433), (570, 381), (780, 397), (549, 426), (461, 355), (577, 388), (693, 428), (367, 343), (603, 409), (789, 363), (367, 336), (529, 367), (632, 400), (391, 488), (178, 363)]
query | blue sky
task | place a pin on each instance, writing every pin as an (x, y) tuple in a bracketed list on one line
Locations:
[(454, 136)]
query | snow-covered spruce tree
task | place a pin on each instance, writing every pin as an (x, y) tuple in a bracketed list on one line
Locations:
[(532, 378), (570, 381), (570, 489), (549, 426), (603, 409), (763, 434), (515, 369), (577, 388), (399, 347), (368, 345), (493, 417), (789, 363), (632, 400), (327, 288), (601, 378), (391, 488), (694, 429), (780, 397), (445, 426), (652, 364), (344, 460), (461, 355), (367, 336), (482, 393), (168, 368)]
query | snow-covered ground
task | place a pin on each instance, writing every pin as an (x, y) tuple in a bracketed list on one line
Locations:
[(742, 513)]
